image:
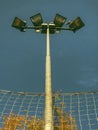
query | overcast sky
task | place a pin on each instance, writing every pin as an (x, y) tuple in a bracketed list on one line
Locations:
[(74, 55)]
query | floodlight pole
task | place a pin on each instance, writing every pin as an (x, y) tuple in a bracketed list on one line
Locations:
[(51, 28), (48, 87)]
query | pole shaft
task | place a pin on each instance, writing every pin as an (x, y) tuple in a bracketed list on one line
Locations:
[(48, 88)]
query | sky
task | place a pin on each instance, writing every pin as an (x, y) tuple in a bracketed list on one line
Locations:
[(74, 55)]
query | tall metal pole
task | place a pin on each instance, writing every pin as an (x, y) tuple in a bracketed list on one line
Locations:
[(55, 26), (48, 88)]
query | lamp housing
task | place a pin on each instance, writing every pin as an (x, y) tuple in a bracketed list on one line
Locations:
[(19, 24), (76, 24), (36, 19), (59, 20)]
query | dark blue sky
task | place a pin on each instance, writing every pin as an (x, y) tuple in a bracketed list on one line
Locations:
[(74, 55)]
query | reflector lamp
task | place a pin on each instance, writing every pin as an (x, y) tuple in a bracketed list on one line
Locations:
[(19, 24), (36, 19), (59, 20), (76, 24)]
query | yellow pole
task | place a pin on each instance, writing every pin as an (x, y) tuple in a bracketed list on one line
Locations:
[(48, 88)]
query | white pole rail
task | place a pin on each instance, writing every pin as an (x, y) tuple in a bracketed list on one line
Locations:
[(48, 88)]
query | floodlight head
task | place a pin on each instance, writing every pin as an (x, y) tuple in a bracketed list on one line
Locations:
[(36, 19), (76, 24), (19, 24), (59, 20)]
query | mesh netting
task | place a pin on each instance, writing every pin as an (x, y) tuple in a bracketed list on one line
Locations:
[(82, 106)]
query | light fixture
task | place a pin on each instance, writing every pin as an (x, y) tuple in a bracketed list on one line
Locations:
[(37, 21), (19, 24), (76, 24), (54, 27), (59, 21)]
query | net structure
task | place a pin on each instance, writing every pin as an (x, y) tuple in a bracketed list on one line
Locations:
[(82, 106)]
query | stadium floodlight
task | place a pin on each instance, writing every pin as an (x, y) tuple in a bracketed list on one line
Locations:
[(48, 28), (19, 24), (76, 24), (37, 21), (59, 21)]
